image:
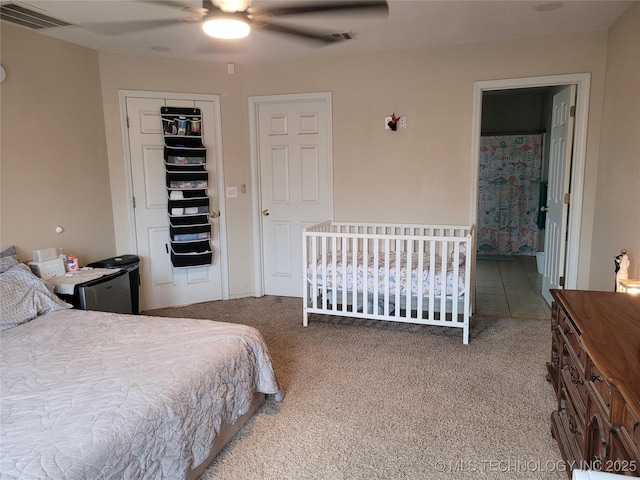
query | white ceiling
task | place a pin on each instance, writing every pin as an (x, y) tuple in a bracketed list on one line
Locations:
[(410, 24)]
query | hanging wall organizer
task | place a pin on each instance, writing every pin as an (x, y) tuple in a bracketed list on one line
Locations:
[(187, 179)]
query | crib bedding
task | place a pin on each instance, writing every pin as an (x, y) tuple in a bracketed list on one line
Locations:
[(103, 395), (418, 282)]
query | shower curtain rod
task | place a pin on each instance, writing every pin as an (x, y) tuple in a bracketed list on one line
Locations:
[(515, 132)]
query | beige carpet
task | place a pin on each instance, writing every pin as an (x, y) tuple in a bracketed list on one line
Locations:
[(381, 400)]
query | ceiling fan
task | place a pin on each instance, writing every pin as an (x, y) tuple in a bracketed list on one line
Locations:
[(234, 19)]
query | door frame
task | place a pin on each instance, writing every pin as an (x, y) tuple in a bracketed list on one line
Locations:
[(578, 159), (256, 208), (128, 180)]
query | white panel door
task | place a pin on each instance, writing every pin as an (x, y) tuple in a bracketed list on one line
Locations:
[(162, 285), (294, 157), (555, 240)]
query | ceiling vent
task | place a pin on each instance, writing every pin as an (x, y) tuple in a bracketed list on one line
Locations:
[(342, 36), (20, 15)]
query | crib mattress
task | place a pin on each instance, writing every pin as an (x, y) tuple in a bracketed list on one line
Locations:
[(366, 273)]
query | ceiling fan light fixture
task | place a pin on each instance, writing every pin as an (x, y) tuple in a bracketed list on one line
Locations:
[(227, 27)]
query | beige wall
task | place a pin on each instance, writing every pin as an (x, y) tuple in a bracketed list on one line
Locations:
[(424, 171), (54, 163), (421, 174), (617, 216)]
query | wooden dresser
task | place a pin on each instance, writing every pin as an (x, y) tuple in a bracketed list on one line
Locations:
[(595, 371)]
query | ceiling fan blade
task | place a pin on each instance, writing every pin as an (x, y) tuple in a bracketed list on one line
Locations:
[(119, 28), (209, 5), (312, 35), (179, 5), (378, 6)]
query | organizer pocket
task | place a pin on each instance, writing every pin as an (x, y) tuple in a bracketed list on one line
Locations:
[(190, 233), (183, 156), (183, 143), (187, 221), (188, 207), (187, 180), (186, 194), (191, 254)]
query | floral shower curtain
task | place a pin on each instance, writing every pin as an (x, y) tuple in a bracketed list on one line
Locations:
[(509, 194)]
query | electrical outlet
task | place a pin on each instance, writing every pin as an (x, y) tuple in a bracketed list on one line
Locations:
[(232, 192), (402, 123), (386, 123)]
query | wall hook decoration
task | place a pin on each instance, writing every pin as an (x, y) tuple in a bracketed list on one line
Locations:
[(393, 123)]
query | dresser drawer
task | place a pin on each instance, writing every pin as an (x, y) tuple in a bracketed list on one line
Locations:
[(602, 392), (553, 366), (574, 384), (573, 426), (571, 338), (555, 313), (623, 457), (631, 423)]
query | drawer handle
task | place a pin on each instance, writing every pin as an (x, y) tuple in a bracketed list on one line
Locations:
[(597, 460), (567, 331), (576, 380), (572, 427), (597, 377)]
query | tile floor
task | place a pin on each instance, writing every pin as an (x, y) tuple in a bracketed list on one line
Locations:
[(510, 288)]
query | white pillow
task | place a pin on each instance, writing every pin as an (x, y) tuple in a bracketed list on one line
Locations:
[(24, 296)]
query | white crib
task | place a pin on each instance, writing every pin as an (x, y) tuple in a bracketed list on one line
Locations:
[(384, 272)]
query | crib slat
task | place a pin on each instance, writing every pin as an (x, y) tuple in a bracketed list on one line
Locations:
[(314, 271), (386, 286), (409, 290), (354, 270), (345, 298), (334, 273), (305, 284), (399, 249), (365, 276), (420, 279), (444, 260), (324, 272), (455, 282), (376, 281), (432, 279)]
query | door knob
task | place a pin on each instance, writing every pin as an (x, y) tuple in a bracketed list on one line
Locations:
[(544, 209), (266, 212), (213, 214)]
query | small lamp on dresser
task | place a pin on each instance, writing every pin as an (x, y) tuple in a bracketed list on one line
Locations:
[(629, 285)]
